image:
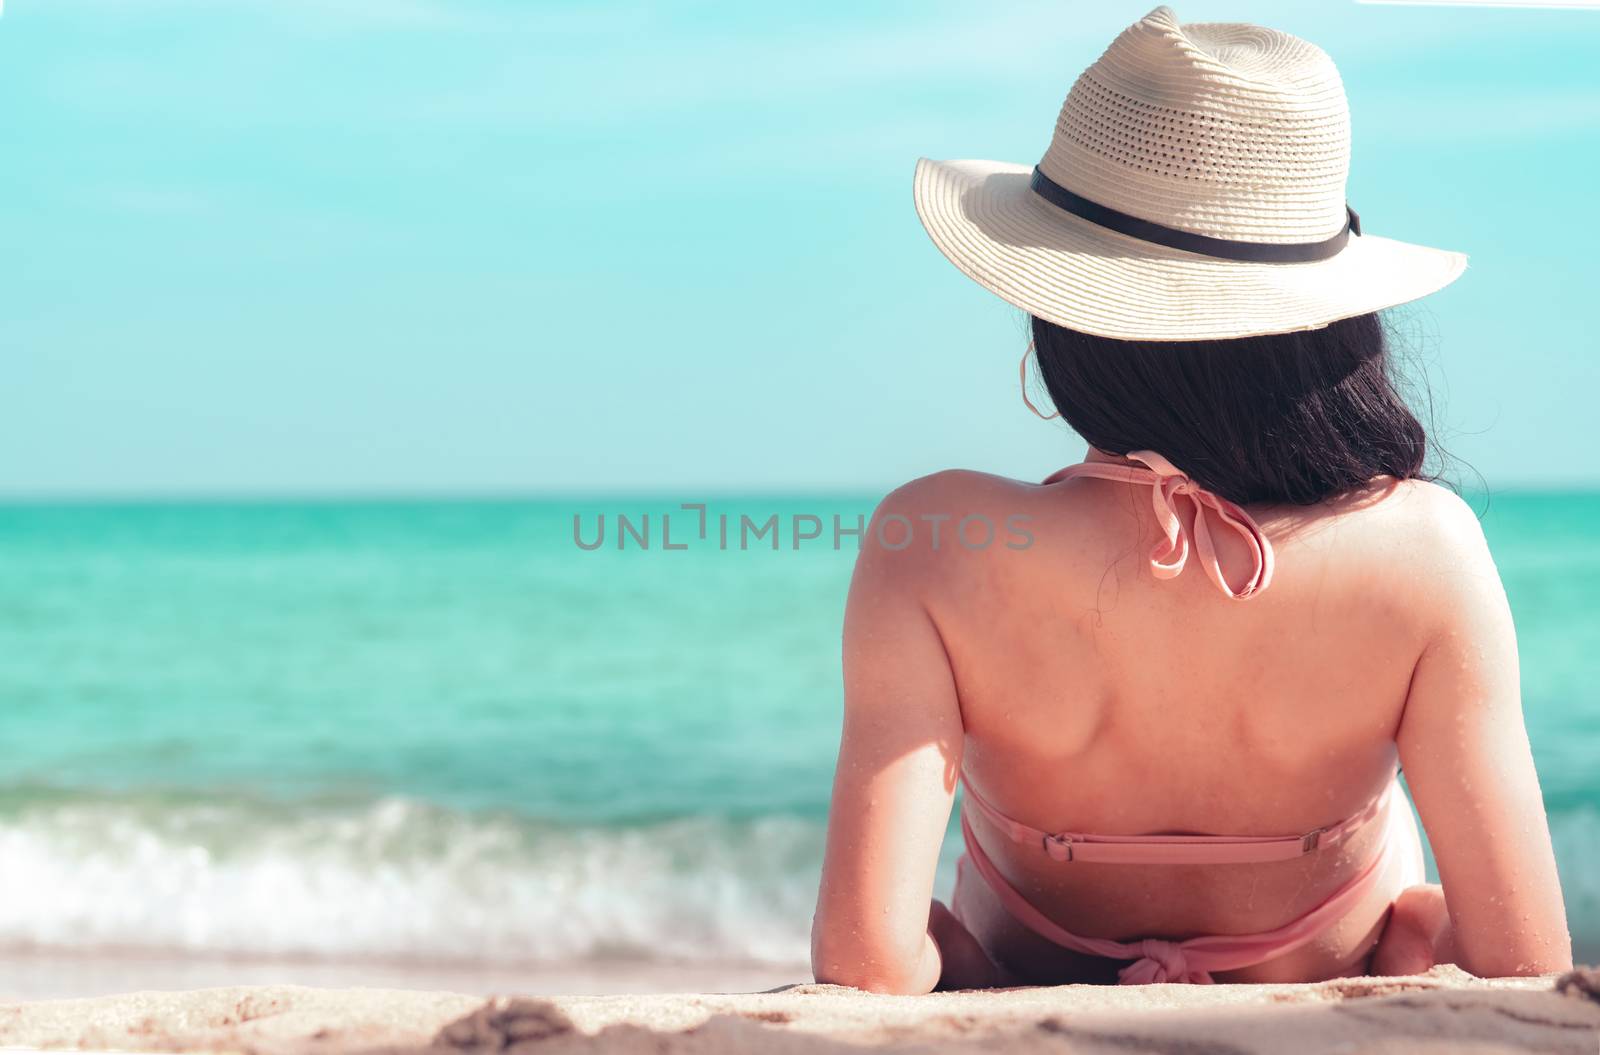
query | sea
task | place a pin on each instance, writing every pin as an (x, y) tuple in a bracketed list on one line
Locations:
[(559, 744)]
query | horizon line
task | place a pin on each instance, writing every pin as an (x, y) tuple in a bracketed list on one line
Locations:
[(443, 496), (511, 495)]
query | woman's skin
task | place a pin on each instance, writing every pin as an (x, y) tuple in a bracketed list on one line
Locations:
[(1081, 693)]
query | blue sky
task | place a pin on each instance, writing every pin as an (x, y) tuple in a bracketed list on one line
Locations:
[(376, 246)]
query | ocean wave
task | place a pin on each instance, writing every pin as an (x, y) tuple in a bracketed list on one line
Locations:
[(400, 879), (404, 880)]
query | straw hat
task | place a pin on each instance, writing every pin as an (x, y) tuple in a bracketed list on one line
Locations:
[(1194, 189)]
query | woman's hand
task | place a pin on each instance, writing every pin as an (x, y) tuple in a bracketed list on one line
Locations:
[(964, 963), (1418, 933)]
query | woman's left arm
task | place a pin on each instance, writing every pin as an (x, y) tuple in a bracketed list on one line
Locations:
[(898, 761)]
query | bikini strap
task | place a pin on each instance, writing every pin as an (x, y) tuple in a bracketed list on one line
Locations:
[(1167, 482), (1176, 849), (1192, 959)]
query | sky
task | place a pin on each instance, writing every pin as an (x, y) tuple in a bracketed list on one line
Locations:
[(350, 247)]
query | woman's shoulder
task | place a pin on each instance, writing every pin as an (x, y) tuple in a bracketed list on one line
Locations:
[(953, 487), (949, 517), (1414, 544), (951, 496), (1419, 512)]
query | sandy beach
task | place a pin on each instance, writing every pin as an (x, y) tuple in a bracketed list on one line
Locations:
[(1442, 1011)]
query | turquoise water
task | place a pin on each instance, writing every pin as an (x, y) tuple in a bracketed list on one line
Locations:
[(441, 731)]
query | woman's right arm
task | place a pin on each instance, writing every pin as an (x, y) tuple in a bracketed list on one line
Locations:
[(1465, 752)]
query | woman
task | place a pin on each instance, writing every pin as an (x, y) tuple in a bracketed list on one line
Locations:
[(1181, 773)]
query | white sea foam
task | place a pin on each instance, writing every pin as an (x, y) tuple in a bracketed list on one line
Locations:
[(401, 879)]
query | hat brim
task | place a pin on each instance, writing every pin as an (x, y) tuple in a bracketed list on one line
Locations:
[(984, 217)]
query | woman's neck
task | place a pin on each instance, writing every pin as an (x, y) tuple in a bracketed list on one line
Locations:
[(1095, 454)]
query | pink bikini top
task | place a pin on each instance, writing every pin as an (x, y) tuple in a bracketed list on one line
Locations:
[(1166, 561)]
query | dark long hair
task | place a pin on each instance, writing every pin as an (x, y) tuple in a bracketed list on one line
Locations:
[(1290, 417)]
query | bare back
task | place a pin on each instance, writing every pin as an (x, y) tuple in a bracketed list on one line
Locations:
[(1092, 696), (1097, 697)]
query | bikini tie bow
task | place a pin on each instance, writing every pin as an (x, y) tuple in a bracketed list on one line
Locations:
[(1168, 483), (1161, 961)]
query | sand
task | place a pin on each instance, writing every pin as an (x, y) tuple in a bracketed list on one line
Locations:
[(31, 975), (1442, 1011)]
